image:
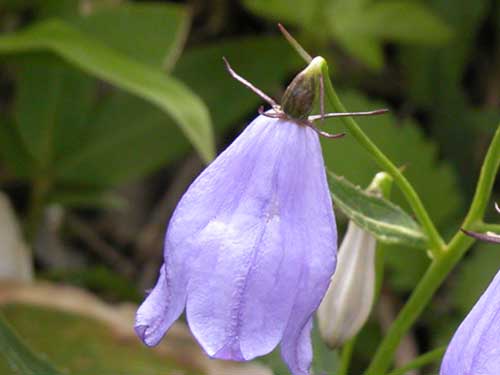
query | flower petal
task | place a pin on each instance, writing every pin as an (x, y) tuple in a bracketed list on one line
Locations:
[(296, 348), (241, 294), (158, 312), (475, 349), (204, 199), (252, 245), (314, 236)]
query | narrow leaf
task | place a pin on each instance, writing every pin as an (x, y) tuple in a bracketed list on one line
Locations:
[(21, 359), (166, 92), (142, 125), (151, 33), (386, 221)]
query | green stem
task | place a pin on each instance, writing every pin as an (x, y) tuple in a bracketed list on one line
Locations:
[(488, 227), (441, 266), (420, 361), (345, 356), (436, 243), (38, 196)]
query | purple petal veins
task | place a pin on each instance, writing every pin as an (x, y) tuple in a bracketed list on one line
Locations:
[(475, 347), (250, 249)]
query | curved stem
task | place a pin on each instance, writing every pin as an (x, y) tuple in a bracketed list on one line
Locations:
[(420, 361), (485, 183), (436, 243), (441, 266)]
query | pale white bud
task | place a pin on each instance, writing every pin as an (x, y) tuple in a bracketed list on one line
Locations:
[(348, 301)]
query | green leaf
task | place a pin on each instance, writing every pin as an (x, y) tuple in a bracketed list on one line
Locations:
[(401, 277), (404, 21), (435, 80), (424, 67), (15, 5), (132, 29), (113, 158), (298, 12), (386, 221), (152, 33), (13, 151), (59, 126), (365, 49), (52, 106), (188, 111), (362, 27), (143, 144), (21, 360), (57, 8)]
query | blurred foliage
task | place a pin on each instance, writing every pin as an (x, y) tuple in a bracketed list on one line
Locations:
[(58, 149), (98, 94), (99, 280), (84, 346), (359, 26), (404, 143), (20, 359)]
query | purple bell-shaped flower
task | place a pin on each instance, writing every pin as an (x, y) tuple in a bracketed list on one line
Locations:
[(251, 247)]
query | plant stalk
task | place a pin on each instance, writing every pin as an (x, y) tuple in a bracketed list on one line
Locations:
[(441, 266), (436, 243)]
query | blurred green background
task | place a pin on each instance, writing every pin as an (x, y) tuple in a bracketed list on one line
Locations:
[(110, 108)]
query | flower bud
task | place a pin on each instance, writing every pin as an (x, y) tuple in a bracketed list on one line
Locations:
[(298, 99), (348, 301)]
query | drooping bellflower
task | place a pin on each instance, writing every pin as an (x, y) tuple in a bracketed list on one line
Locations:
[(251, 247)]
